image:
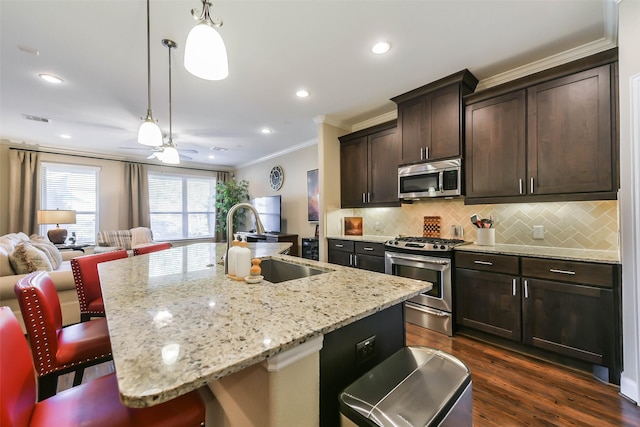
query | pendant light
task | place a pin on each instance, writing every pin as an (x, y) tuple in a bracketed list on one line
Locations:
[(205, 55), (169, 153), (149, 132)]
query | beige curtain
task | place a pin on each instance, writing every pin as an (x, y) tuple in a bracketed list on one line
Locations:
[(24, 191), (221, 177), (136, 195)]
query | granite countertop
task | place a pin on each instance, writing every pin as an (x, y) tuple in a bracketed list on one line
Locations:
[(368, 238), (177, 323), (569, 254)]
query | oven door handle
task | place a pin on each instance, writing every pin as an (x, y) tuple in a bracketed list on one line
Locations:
[(428, 310)]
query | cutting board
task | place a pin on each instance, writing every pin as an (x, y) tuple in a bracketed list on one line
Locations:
[(431, 226)]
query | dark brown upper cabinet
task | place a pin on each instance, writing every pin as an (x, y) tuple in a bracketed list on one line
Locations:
[(430, 118), (369, 167), (551, 136)]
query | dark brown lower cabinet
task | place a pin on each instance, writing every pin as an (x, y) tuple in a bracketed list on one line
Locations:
[(489, 302), (569, 319), (365, 255), (569, 308)]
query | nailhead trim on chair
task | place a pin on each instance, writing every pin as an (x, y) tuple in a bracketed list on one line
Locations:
[(42, 342), (75, 268)]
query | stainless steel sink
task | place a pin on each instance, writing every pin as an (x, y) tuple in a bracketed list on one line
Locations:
[(276, 271)]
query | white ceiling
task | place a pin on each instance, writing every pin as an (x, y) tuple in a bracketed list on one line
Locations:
[(274, 48)]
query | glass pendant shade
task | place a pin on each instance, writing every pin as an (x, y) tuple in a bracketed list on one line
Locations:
[(149, 133), (170, 156), (205, 55)]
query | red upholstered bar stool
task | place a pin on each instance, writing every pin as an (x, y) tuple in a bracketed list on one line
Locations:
[(57, 350), (85, 275), (95, 403), (147, 249)]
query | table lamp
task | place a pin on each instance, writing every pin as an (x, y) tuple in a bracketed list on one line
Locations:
[(57, 235)]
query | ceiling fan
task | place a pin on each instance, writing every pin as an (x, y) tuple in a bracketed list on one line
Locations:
[(156, 152)]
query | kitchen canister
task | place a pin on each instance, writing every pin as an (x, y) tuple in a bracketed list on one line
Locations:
[(486, 236)]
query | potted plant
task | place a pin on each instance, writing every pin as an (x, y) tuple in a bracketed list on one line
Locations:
[(228, 194)]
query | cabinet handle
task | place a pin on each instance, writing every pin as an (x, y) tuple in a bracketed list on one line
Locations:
[(513, 285), (520, 184), (355, 260), (368, 197), (364, 200), (531, 185), (426, 153), (421, 153), (350, 259), (339, 245), (526, 289), (368, 249), (553, 270), (483, 262)]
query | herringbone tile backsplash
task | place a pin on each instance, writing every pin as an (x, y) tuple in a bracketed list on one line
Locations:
[(579, 225)]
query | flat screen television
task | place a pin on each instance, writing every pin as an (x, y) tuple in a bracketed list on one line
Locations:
[(269, 208)]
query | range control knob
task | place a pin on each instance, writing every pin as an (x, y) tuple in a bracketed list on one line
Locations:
[(435, 246), (441, 246)]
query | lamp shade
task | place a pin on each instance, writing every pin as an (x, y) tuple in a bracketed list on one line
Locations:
[(205, 55), (170, 156), (56, 217), (149, 133)]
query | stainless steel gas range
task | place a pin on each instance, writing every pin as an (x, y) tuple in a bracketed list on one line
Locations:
[(428, 259)]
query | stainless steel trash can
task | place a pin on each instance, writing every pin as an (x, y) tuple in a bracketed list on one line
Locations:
[(416, 386)]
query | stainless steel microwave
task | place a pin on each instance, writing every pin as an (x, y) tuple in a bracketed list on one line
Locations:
[(433, 179)]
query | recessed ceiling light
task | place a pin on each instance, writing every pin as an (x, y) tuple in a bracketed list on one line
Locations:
[(50, 78), (64, 135), (302, 93), (266, 131), (211, 156), (380, 48)]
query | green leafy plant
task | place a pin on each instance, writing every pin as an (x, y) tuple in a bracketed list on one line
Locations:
[(228, 194)]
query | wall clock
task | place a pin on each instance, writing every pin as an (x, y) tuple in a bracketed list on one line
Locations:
[(276, 177)]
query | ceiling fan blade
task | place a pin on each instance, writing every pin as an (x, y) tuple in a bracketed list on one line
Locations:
[(188, 150), (152, 156), (183, 157), (135, 148)]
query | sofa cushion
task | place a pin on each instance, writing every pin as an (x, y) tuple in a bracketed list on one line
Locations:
[(116, 238), (42, 243), (8, 243), (26, 258)]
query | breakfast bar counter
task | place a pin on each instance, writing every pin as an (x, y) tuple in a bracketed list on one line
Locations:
[(177, 323)]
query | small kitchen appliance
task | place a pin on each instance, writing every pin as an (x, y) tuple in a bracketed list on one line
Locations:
[(428, 259), (428, 180)]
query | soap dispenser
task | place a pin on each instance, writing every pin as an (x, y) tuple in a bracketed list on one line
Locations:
[(243, 260), (232, 255)]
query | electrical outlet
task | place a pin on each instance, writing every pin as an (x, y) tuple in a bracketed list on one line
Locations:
[(538, 232), (378, 226), (366, 349)]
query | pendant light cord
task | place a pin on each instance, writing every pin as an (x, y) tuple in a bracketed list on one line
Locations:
[(148, 61), (170, 109)]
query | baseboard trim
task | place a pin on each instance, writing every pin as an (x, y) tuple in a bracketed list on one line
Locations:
[(629, 389)]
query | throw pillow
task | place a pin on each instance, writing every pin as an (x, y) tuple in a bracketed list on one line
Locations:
[(45, 245), (26, 259)]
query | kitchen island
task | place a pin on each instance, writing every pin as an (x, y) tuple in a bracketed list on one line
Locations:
[(177, 324)]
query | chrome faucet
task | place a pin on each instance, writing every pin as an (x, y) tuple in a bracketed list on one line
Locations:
[(232, 210)]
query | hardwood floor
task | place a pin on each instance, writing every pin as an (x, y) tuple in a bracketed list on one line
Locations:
[(511, 389)]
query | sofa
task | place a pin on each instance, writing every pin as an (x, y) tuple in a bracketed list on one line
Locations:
[(116, 240), (21, 254)]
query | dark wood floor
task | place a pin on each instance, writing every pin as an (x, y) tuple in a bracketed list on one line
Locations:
[(511, 389)]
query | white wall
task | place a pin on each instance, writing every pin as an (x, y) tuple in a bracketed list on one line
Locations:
[(294, 188), (629, 80)]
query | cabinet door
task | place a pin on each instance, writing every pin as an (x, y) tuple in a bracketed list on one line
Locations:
[(369, 262), (353, 172), (495, 153), (444, 124), (340, 257), (570, 134), (413, 128), (383, 161), (573, 320), (488, 302)]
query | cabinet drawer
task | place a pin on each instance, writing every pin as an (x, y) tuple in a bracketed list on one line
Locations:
[(341, 245), (368, 248), (569, 271), (488, 262)]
